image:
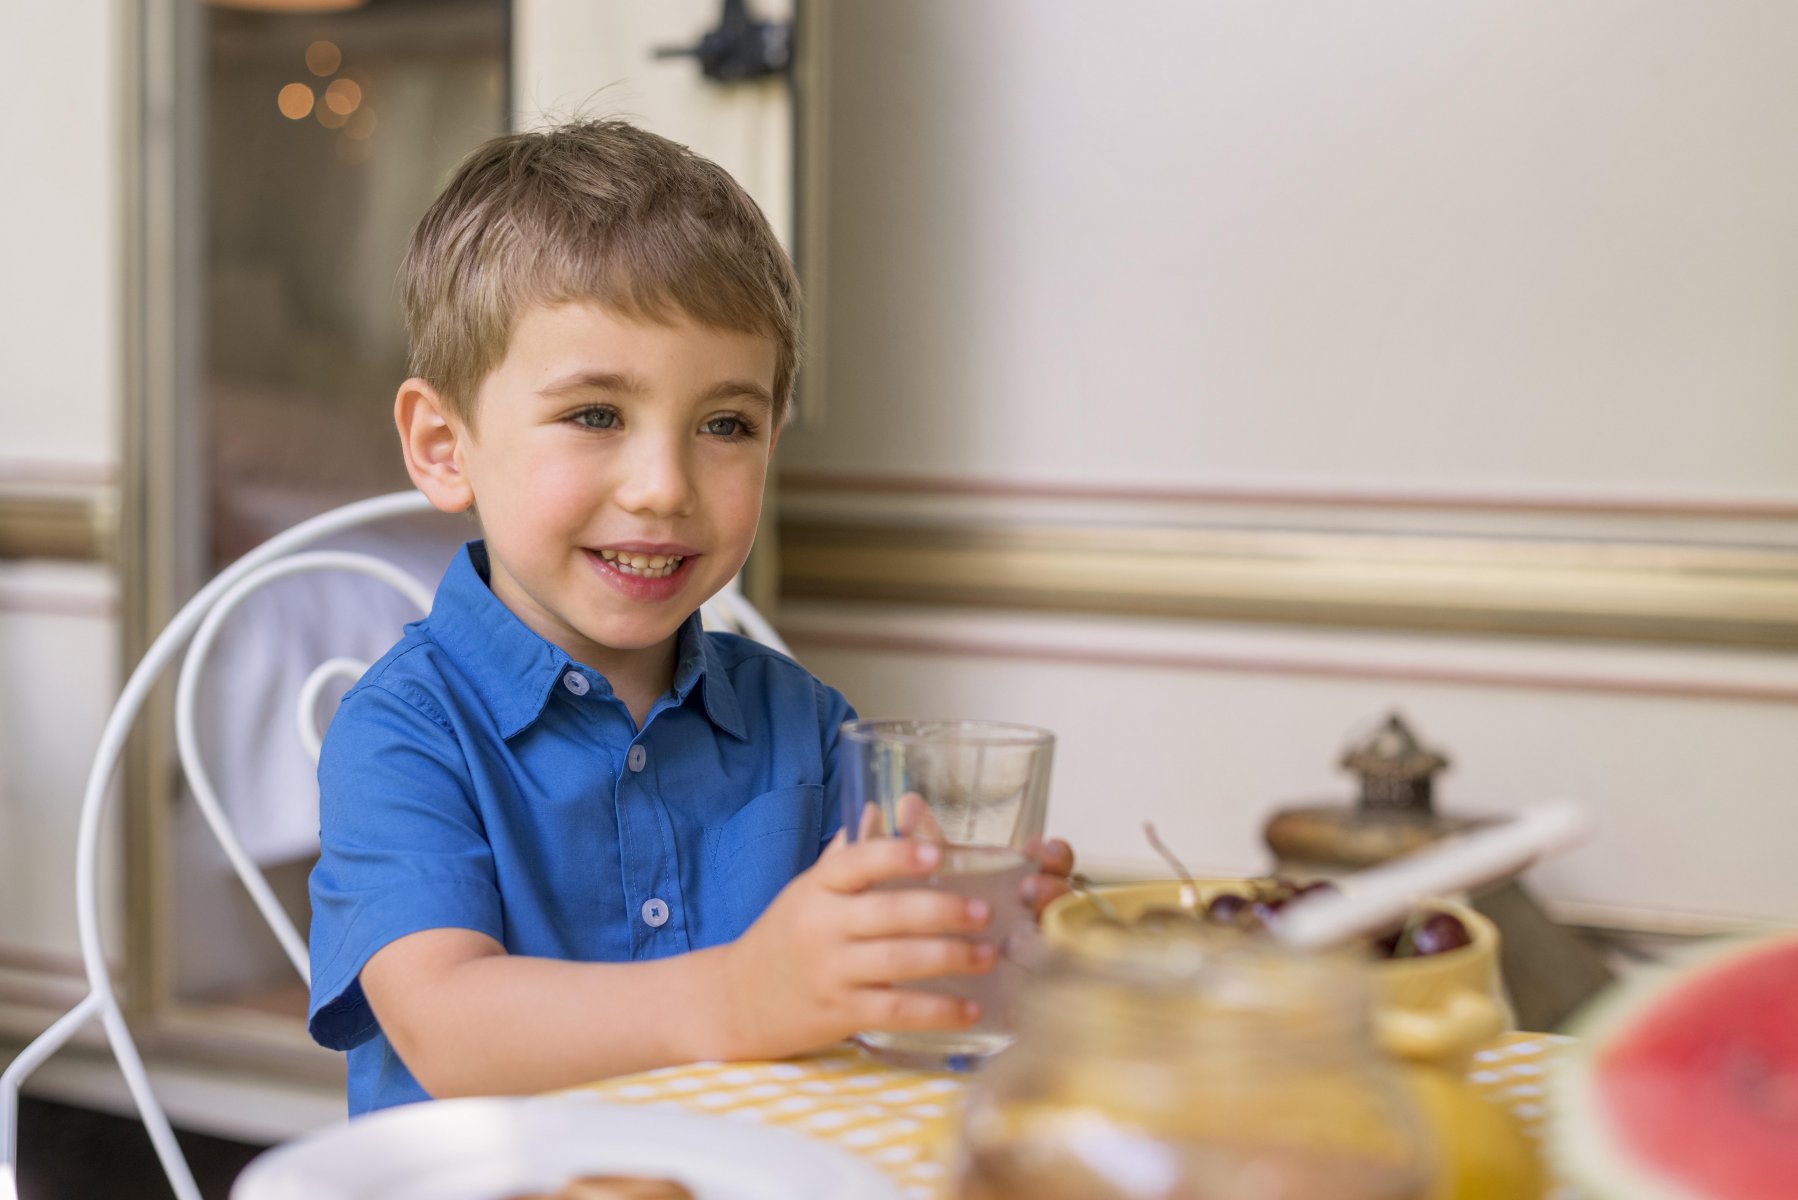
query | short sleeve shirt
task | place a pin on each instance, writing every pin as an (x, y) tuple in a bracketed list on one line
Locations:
[(477, 778)]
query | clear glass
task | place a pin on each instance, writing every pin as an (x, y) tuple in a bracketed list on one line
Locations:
[(982, 788), (1184, 1074)]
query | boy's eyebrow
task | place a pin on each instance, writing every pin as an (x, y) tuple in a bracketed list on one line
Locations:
[(630, 385), (739, 388), (594, 381)]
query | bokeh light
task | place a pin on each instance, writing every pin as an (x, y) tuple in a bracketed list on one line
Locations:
[(295, 101), (362, 125), (343, 95), (322, 58), (329, 117)]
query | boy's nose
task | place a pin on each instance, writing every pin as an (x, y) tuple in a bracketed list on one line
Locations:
[(659, 482)]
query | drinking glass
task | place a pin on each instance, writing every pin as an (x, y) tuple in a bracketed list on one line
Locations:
[(981, 788)]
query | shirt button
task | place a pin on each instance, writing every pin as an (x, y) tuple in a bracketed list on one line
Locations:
[(576, 682), (655, 913), (636, 758)]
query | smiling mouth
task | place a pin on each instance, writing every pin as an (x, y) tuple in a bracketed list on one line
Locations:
[(644, 566)]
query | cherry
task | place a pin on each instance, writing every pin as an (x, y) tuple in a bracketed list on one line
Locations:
[(1439, 933), (1225, 907), (1267, 911)]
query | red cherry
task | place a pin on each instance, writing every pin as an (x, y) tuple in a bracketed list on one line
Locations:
[(1225, 907), (1439, 933)]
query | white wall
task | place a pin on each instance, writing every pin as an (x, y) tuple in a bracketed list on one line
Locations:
[(59, 412), (59, 238), (1489, 247), (591, 58), (1686, 757), (1506, 269)]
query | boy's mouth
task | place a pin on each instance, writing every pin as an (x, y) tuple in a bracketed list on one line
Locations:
[(644, 566)]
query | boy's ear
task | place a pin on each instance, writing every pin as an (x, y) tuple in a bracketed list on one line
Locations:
[(430, 438)]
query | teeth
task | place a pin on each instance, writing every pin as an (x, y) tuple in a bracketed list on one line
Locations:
[(649, 566)]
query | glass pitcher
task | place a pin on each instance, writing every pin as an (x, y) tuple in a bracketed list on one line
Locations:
[(1168, 1071)]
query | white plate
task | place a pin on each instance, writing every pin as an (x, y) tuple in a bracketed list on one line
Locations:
[(496, 1149)]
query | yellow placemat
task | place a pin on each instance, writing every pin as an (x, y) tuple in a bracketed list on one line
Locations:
[(902, 1121)]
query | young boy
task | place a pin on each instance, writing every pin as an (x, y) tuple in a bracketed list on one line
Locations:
[(565, 833)]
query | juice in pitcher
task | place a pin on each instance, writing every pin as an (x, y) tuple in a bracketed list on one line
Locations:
[(1176, 1071)]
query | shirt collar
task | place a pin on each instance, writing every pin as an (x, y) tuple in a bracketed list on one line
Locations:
[(696, 663), (515, 670)]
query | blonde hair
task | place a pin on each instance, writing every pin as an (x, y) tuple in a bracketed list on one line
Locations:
[(592, 211)]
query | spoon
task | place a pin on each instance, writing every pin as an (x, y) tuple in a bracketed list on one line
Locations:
[(1379, 898)]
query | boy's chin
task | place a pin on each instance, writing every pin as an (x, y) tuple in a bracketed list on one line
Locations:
[(635, 638)]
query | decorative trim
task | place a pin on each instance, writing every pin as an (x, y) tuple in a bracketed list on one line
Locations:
[(42, 962), (241, 1039), (1537, 588), (810, 92), (1673, 925), (1724, 507), (56, 472), (802, 638), (73, 527)]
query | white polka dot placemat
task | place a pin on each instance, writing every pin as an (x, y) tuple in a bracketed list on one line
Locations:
[(902, 1121)]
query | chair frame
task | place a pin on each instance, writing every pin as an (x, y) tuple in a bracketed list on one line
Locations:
[(194, 629), (198, 621)]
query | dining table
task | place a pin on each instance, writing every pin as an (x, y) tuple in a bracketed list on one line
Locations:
[(903, 1121)]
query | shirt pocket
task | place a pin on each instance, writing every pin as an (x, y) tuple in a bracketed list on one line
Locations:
[(763, 845)]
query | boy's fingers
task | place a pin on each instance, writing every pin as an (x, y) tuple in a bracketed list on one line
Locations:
[(1039, 891), (916, 820), (871, 824), (1053, 856), (859, 865), (899, 1009), (908, 959), (912, 912)]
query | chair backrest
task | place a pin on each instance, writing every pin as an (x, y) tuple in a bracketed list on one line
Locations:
[(196, 629)]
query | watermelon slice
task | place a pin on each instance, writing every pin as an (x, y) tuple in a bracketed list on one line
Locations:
[(1684, 1085)]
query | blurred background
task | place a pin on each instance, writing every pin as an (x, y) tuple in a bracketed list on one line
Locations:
[(1202, 381)]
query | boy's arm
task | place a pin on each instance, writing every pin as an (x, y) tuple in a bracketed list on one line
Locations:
[(468, 1019)]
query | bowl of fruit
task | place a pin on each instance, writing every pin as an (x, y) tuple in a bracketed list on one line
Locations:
[(1438, 993)]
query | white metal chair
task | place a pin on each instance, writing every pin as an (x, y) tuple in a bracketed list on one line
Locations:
[(199, 622)]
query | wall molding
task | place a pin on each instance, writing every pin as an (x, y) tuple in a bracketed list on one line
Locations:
[(1577, 578), (804, 635), (1749, 508), (51, 523)]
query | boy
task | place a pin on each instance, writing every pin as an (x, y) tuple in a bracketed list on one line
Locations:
[(565, 833)]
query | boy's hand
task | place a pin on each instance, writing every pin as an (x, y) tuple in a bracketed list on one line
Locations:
[(821, 962), (1054, 857), (1054, 863)]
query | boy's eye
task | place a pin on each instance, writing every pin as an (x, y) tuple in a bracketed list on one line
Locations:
[(728, 427), (595, 418)]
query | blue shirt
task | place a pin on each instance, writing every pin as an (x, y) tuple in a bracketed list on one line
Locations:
[(476, 778)]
